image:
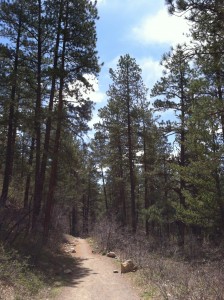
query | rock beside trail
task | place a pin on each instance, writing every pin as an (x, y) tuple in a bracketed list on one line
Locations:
[(69, 248), (111, 254), (128, 266)]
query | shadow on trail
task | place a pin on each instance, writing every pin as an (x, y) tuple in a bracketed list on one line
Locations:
[(63, 269), (54, 265), (78, 272)]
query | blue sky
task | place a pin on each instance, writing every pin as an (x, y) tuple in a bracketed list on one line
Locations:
[(141, 28)]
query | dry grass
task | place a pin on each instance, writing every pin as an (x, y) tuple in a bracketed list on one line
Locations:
[(197, 273)]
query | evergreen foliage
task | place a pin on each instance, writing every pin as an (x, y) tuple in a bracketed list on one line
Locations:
[(47, 51)]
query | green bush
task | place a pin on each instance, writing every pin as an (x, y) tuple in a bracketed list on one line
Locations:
[(15, 271)]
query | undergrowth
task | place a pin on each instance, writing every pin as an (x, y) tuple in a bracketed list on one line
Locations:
[(165, 271), (18, 278)]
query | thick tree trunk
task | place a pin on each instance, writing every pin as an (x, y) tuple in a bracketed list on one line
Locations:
[(28, 179), (86, 207), (130, 158), (50, 108), (54, 167), (37, 196), (104, 190), (165, 174), (11, 124), (74, 222), (181, 225), (122, 187), (146, 196), (132, 180)]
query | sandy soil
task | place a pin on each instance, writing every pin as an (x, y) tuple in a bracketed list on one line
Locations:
[(92, 277)]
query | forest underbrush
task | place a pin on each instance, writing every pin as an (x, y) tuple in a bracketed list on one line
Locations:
[(166, 271), (19, 279), (29, 269)]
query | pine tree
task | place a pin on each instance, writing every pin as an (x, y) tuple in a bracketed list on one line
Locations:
[(174, 87), (206, 18), (112, 129), (120, 119), (13, 29), (99, 152), (78, 56)]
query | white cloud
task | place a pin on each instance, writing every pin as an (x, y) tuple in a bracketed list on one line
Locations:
[(96, 95), (93, 94), (151, 70), (100, 2), (161, 28)]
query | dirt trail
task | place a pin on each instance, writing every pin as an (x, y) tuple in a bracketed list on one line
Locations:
[(92, 277)]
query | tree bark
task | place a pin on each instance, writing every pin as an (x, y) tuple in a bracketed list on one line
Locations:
[(130, 158), (28, 179), (50, 109), (146, 196), (54, 167), (104, 190), (11, 124), (121, 186), (181, 225), (37, 198)]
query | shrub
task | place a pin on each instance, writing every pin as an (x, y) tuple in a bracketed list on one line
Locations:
[(17, 273), (163, 266)]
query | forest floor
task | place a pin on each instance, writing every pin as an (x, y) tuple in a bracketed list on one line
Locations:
[(92, 276), (73, 268)]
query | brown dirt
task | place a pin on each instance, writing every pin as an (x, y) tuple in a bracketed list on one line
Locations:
[(92, 277)]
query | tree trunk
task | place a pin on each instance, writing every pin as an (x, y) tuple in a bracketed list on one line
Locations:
[(181, 225), (37, 198), (11, 124), (86, 205), (74, 222), (28, 179), (146, 196), (130, 158), (104, 190), (50, 108), (121, 186), (54, 167)]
